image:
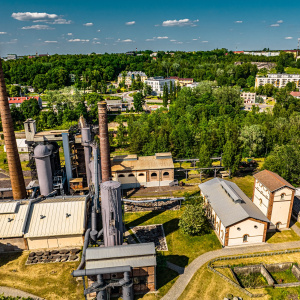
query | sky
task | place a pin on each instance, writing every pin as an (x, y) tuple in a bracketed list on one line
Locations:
[(73, 27)]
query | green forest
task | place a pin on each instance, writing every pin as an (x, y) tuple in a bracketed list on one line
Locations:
[(200, 122)]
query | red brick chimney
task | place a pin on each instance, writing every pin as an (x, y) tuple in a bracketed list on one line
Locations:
[(104, 142), (14, 164)]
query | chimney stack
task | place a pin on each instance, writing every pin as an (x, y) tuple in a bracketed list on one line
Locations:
[(104, 142), (14, 164)]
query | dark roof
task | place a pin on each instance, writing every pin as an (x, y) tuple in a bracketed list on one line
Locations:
[(229, 202), (271, 180)]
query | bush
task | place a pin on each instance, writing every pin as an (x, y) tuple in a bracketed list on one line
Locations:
[(193, 220)]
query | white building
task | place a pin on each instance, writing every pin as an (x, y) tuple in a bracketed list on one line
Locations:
[(157, 84), (248, 97), (274, 196), (235, 219), (278, 80), (21, 144), (130, 76), (262, 53)]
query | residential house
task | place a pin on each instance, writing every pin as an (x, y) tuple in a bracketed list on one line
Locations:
[(157, 84), (130, 76), (277, 80), (17, 101)]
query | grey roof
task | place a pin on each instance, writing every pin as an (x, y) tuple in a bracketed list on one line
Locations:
[(134, 255), (229, 202)]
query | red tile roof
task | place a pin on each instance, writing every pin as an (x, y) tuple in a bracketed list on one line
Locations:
[(295, 94), (16, 100), (271, 180)]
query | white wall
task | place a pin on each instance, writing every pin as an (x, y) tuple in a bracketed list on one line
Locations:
[(246, 227), (260, 192), (55, 242), (281, 207)]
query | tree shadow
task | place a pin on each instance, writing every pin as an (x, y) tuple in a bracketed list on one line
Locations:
[(179, 260), (171, 226), (270, 234)]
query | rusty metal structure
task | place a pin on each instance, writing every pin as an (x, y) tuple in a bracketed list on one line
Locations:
[(104, 142), (13, 159)]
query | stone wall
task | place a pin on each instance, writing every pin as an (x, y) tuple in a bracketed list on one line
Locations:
[(296, 272), (267, 275), (278, 267)]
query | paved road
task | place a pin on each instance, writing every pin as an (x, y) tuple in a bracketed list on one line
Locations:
[(183, 280), (16, 293)]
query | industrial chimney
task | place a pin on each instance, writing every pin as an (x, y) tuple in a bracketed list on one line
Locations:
[(14, 164), (104, 142)]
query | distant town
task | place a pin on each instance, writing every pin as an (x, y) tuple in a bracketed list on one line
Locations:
[(150, 175)]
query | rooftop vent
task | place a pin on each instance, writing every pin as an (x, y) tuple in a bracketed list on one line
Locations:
[(42, 217), (10, 219), (231, 192), (68, 215)]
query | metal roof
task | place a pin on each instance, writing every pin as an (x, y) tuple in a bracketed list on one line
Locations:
[(11, 224), (9, 207), (135, 255), (56, 216), (228, 209)]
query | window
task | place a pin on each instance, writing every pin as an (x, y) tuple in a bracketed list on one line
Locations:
[(121, 175), (166, 174), (282, 196), (131, 175), (238, 228), (153, 175), (260, 201), (141, 174), (255, 226), (245, 238)]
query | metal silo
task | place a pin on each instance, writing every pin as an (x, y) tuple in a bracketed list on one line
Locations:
[(111, 210), (43, 167)]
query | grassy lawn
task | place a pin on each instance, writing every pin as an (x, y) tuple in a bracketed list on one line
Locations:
[(252, 280), (50, 281), (183, 249), (282, 236), (290, 70), (245, 183), (284, 276)]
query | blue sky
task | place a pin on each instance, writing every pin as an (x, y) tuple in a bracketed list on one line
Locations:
[(118, 26)]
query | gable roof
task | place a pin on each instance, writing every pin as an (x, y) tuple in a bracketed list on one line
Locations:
[(271, 180), (229, 202)]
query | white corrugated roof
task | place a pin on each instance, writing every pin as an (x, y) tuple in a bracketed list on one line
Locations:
[(11, 225), (49, 218), (8, 207)]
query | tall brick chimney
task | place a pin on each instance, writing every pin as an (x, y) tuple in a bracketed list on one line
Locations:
[(14, 164), (104, 142)]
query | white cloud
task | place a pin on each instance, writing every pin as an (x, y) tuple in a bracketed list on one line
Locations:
[(60, 21), (98, 30), (130, 23), (38, 27), (238, 22), (173, 41), (10, 42), (204, 41), (179, 43), (3, 32), (280, 21), (32, 16), (150, 40), (70, 33), (78, 40), (50, 42), (195, 39), (182, 22), (88, 24), (162, 37), (288, 37), (127, 41), (95, 39), (96, 43), (275, 25)]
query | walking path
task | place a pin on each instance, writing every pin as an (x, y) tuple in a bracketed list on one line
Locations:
[(183, 280), (7, 291)]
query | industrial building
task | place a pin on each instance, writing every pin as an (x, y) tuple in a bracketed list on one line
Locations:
[(133, 171)]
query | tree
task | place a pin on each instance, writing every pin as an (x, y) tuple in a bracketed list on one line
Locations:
[(30, 108), (121, 135), (284, 160), (251, 81), (138, 101), (253, 139), (204, 157), (165, 95), (193, 220), (231, 156)]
